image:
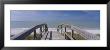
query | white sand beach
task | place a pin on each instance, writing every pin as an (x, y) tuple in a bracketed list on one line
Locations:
[(19, 30), (96, 31)]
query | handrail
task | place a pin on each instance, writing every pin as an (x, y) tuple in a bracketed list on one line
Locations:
[(28, 32), (85, 34), (82, 33)]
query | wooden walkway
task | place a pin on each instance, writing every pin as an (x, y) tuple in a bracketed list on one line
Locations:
[(76, 33), (60, 33), (57, 36)]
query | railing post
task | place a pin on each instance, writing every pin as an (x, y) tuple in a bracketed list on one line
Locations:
[(65, 36), (58, 29), (65, 29), (72, 33), (50, 35), (46, 28), (41, 31), (35, 35)]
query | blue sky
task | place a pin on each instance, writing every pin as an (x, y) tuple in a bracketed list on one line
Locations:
[(86, 18), (53, 15)]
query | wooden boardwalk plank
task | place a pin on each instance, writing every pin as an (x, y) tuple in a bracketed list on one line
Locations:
[(57, 36)]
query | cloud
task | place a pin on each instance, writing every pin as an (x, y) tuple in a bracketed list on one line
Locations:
[(54, 15)]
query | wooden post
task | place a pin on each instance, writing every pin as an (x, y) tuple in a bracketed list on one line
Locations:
[(50, 35), (43, 28), (58, 29), (41, 31), (65, 29), (46, 28), (65, 35), (72, 33), (35, 35)]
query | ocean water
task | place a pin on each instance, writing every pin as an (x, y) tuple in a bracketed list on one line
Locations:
[(54, 24)]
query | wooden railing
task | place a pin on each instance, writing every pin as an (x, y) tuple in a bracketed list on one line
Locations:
[(75, 33), (43, 28), (50, 35)]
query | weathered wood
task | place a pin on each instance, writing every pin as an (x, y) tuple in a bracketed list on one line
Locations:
[(41, 31), (67, 36), (72, 33), (65, 29), (85, 34), (35, 34), (28, 32), (50, 35), (46, 36), (82, 35)]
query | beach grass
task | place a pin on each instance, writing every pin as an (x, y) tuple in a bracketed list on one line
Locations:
[(30, 37)]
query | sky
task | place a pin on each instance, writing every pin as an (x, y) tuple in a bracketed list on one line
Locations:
[(53, 15)]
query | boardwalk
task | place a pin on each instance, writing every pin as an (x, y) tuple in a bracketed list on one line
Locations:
[(57, 36), (62, 32)]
